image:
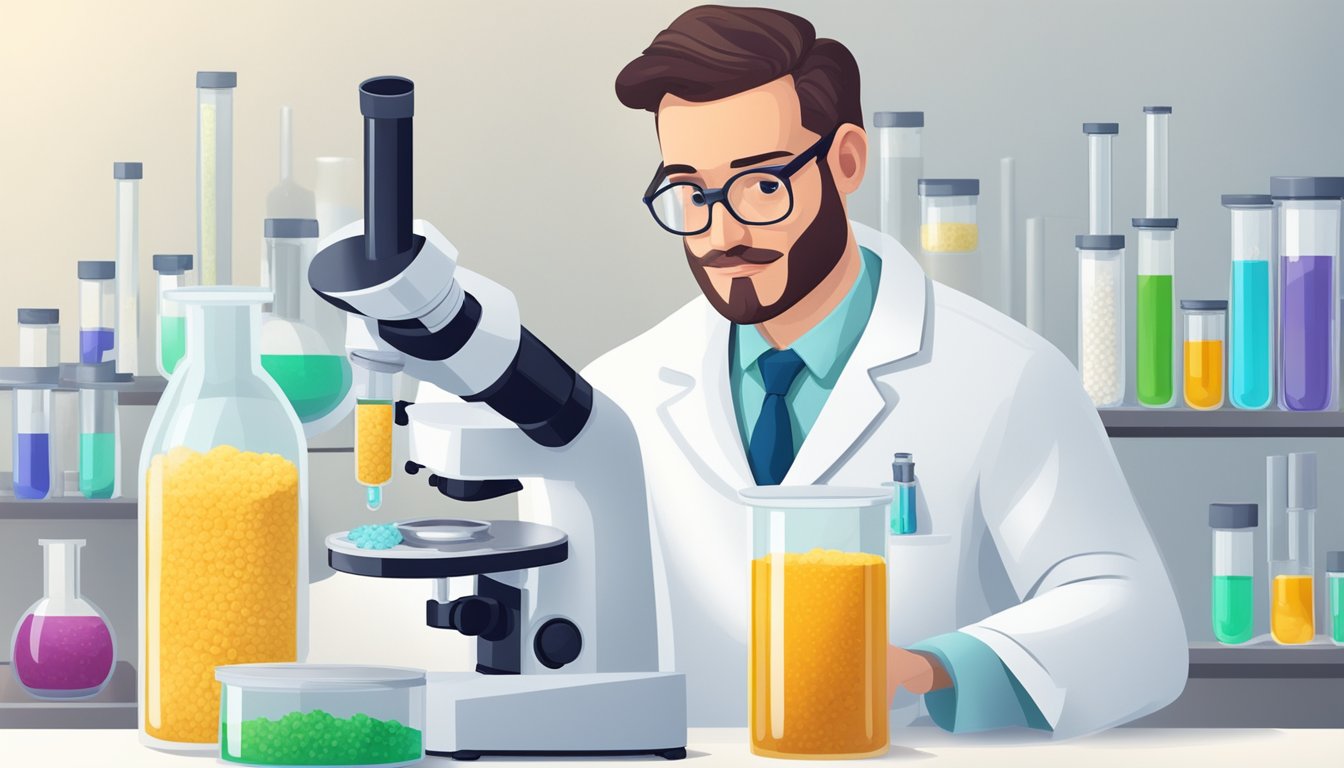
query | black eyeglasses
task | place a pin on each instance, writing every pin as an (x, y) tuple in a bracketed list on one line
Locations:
[(755, 197)]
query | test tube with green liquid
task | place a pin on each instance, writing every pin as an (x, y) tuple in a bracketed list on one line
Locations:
[(1233, 570), (1155, 349)]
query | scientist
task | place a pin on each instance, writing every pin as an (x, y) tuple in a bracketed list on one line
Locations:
[(1033, 594)]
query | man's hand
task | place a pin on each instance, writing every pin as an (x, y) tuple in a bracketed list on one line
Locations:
[(917, 671)]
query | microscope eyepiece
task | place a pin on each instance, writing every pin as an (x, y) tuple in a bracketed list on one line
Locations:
[(387, 98), (387, 103)]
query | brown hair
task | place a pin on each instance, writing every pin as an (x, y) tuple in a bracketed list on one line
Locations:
[(712, 52)]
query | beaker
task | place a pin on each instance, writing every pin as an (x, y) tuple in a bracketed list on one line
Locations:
[(214, 175), (314, 379), (127, 179), (1101, 317), (373, 373), (1233, 605), (949, 236), (97, 311), (1205, 331), (1292, 541), (1156, 201), (1155, 311), (1250, 349), (170, 337), (902, 156), (818, 649), (1100, 137), (223, 510), (1309, 211), (288, 200), (63, 647)]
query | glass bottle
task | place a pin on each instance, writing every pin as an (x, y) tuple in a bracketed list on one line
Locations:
[(1205, 334), (63, 647), (1233, 570), (949, 235), (1334, 577), (902, 156), (223, 511), (818, 651), (1101, 317)]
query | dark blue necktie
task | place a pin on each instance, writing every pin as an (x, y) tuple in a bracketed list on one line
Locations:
[(771, 451)]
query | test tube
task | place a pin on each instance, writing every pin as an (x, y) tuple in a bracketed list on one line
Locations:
[(39, 354), (904, 518), (949, 235), (1205, 330), (127, 179), (1292, 542), (1334, 575), (1157, 200), (901, 152), (39, 337), (170, 335), (1250, 349), (1101, 317), (289, 241), (1155, 309), (1308, 335), (97, 442), (1099, 140), (1233, 571), (214, 175), (373, 383), (97, 311)]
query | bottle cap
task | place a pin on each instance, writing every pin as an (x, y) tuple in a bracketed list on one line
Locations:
[(1101, 128), (1301, 481), (291, 228), (949, 187), (172, 263), (97, 270), (128, 170), (898, 119), (1334, 561), (1232, 516), (216, 79), (35, 316), (903, 468)]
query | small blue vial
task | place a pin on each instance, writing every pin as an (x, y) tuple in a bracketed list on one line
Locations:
[(903, 518)]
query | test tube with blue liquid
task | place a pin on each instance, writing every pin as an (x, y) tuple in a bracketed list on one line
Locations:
[(39, 354), (903, 520), (1250, 352), (97, 442), (97, 312)]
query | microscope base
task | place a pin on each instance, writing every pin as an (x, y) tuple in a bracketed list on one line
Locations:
[(468, 715)]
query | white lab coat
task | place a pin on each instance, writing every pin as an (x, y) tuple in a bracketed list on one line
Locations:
[(1029, 538)]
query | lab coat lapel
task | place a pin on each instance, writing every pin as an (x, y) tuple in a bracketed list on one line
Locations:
[(895, 331)]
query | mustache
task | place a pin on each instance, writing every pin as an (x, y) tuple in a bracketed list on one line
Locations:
[(738, 256)]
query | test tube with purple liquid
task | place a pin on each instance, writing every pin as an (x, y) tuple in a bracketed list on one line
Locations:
[(39, 349), (97, 311)]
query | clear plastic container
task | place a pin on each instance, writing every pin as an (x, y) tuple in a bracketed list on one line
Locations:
[(321, 714), (97, 311), (214, 175), (949, 234), (1334, 576), (1101, 317), (1233, 604), (170, 337), (224, 522), (63, 646), (315, 379), (1158, 197), (818, 621), (1309, 212), (288, 200), (900, 149), (127, 179), (1292, 542), (374, 374), (1205, 335), (1100, 137), (1155, 352), (1250, 350)]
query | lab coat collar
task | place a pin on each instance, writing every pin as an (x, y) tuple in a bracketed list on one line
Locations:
[(700, 413)]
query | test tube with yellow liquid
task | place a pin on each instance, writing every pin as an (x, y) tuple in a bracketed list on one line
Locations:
[(1292, 541), (374, 374)]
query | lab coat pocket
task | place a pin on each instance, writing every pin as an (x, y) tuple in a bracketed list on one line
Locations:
[(921, 587)]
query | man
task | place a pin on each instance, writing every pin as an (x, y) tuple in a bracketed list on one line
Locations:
[(1033, 594)]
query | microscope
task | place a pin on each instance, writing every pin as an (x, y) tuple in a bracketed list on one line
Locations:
[(563, 610)]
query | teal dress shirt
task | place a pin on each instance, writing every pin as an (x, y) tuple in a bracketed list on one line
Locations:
[(984, 693)]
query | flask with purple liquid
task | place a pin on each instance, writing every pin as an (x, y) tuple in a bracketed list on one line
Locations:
[(1309, 213), (63, 646), (97, 312)]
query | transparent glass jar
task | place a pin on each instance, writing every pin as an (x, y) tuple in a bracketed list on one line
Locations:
[(170, 338), (900, 149), (1233, 604), (1309, 214), (1250, 333), (1101, 317), (127, 179), (224, 516), (1155, 350), (97, 311), (63, 647), (214, 175), (949, 234), (1205, 332), (818, 584), (1100, 137)]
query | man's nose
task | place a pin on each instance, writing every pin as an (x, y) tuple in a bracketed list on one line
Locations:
[(724, 230)]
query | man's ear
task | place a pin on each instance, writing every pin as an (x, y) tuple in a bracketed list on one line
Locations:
[(848, 158)]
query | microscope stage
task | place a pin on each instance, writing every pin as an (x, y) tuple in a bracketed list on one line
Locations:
[(506, 545)]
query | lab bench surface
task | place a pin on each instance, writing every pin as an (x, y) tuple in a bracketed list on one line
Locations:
[(709, 747)]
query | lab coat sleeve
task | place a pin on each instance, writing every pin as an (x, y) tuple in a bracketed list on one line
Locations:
[(984, 694), (1097, 639)]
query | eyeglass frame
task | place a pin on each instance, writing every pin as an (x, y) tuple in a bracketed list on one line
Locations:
[(720, 194)]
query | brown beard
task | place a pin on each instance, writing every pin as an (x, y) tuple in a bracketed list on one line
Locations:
[(812, 258)]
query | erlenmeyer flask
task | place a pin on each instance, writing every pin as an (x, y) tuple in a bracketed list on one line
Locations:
[(63, 646)]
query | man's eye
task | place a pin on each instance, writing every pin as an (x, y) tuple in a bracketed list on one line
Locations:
[(769, 187), (698, 198)]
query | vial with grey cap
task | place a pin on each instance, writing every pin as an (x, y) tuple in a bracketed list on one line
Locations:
[(1233, 571)]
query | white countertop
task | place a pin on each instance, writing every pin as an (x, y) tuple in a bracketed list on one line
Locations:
[(709, 747)]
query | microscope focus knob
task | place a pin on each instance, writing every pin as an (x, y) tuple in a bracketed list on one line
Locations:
[(477, 616), (557, 643)]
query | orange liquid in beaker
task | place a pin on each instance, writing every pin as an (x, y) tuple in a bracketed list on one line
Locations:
[(1291, 610), (818, 666)]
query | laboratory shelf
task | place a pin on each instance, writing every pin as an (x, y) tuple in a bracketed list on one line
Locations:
[(67, 508), (143, 390), (1225, 422), (1262, 658), (113, 707)]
